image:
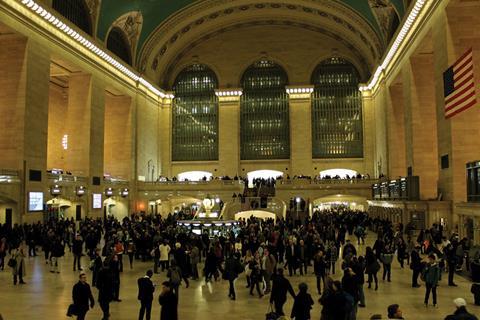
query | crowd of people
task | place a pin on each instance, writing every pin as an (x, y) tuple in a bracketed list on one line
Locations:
[(267, 252)]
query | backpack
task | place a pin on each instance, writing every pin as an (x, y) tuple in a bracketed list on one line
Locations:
[(175, 277)]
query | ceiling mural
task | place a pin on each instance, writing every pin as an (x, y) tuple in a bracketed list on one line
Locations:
[(381, 15)]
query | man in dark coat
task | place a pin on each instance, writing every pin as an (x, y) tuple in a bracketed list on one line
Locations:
[(105, 289), (77, 249), (233, 268), (291, 256), (169, 301), (281, 286), (82, 295), (302, 304), (145, 295)]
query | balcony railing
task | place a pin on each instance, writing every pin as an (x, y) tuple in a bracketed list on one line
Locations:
[(303, 181), (65, 178), (9, 176)]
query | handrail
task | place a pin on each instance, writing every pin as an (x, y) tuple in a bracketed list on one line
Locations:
[(9, 173)]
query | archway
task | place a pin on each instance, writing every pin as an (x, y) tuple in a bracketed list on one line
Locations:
[(255, 213), (263, 174), (195, 176), (346, 201), (339, 172)]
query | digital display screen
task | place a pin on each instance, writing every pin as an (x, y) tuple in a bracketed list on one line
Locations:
[(97, 201), (35, 201)]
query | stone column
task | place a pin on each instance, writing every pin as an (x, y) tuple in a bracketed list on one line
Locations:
[(300, 111), (165, 137), (368, 133), (421, 129), (229, 131)]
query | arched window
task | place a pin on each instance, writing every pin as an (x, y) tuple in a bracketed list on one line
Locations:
[(337, 130), (264, 118), (195, 115), (118, 44), (76, 11)]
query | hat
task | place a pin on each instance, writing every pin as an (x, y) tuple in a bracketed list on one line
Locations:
[(460, 302)]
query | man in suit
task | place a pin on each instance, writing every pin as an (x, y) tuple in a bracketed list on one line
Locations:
[(145, 294), (291, 256), (82, 295)]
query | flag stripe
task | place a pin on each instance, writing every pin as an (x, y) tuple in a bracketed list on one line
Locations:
[(471, 104), (469, 51), (460, 101), (464, 63), (454, 97), (468, 71)]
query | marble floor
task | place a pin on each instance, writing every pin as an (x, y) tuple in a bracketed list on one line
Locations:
[(47, 295)]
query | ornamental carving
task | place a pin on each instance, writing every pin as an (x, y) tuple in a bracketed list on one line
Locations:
[(176, 25)]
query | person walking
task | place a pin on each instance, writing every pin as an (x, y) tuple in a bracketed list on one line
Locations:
[(280, 287), (194, 261), (371, 267), (256, 275), (452, 262), (174, 275), (387, 258), (302, 304), (82, 297), (130, 252), (18, 269), (77, 250), (416, 265), (164, 255), (461, 312), (105, 289), (233, 268), (431, 274), (115, 272), (269, 264), (145, 295), (319, 266), (169, 302)]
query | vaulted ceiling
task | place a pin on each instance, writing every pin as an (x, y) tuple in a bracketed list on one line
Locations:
[(380, 15)]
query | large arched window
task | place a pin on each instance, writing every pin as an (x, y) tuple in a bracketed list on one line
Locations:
[(264, 119), (195, 115), (118, 44), (76, 11), (337, 130)]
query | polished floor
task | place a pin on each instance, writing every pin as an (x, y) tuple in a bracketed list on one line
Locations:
[(47, 295)]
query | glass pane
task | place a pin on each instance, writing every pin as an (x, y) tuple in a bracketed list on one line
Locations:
[(264, 115), (75, 11), (195, 115), (337, 129)]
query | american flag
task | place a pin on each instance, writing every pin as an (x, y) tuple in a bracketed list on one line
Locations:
[(459, 85)]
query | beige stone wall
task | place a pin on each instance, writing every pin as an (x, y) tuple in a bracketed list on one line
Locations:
[(118, 136), (57, 109), (147, 135)]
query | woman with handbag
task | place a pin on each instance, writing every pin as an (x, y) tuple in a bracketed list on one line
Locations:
[(17, 263), (371, 267)]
